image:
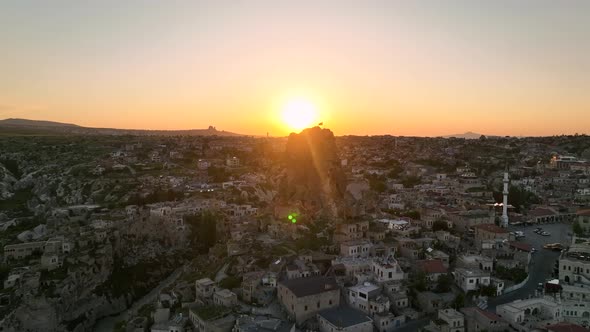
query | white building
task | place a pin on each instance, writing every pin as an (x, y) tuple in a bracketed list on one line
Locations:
[(527, 314), (356, 248), (471, 279), (367, 298), (454, 319), (387, 269), (205, 288)]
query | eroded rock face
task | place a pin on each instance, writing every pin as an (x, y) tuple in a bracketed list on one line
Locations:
[(313, 179), (7, 181)]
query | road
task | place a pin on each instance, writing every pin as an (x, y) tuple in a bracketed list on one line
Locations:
[(221, 274), (107, 324), (542, 263)]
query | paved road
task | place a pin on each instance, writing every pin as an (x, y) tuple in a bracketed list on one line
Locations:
[(107, 324), (221, 274), (543, 261)]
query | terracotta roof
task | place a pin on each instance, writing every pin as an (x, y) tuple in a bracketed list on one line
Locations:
[(432, 266), (488, 314), (585, 212), (491, 228), (521, 246)]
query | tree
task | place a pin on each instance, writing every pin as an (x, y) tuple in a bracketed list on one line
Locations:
[(444, 283), (419, 282), (577, 228), (440, 225), (203, 230), (459, 301), (488, 291)]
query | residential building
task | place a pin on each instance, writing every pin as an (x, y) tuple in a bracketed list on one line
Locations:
[(432, 268), (205, 288), (486, 233), (478, 320), (527, 314), (305, 297), (574, 264), (232, 162), (356, 248), (225, 298), (471, 279), (344, 319), (387, 269), (212, 319), (448, 320), (367, 297)]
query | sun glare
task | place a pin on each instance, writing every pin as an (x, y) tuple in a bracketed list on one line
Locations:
[(299, 113)]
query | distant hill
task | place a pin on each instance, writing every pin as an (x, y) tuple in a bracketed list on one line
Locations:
[(18, 127), (34, 123), (467, 135)]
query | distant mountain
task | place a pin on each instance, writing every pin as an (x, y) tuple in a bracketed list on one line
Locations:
[(35, 127), (34, 123), (467, 135)]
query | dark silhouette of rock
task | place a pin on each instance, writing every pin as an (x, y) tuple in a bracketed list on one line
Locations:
[(313, 180)]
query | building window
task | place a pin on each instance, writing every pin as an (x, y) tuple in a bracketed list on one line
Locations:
[(305, 308)]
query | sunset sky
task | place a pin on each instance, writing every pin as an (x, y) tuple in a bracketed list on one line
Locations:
[(370, 67)]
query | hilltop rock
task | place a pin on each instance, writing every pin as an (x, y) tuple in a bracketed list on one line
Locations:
[(313, 177)]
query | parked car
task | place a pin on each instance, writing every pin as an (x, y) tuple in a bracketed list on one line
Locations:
[(519, 234), (545, 233), (538, 230)]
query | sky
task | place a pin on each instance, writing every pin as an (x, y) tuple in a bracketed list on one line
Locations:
[(423, 68)]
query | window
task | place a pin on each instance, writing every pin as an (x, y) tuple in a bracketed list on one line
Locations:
[(305, 308), (330, 302), (318, 304)]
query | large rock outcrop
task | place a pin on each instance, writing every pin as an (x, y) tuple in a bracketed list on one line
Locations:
[(313, 180)]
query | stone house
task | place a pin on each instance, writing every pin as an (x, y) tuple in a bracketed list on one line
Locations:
[(304, 298)]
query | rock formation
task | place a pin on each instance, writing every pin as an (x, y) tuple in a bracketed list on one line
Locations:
[(313, 180)]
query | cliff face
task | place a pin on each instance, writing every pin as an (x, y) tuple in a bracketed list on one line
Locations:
[(313, 178)]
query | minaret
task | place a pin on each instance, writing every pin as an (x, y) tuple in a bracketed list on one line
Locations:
[(505, 201)]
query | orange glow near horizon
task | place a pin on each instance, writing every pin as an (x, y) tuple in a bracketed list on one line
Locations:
[(361, 67)]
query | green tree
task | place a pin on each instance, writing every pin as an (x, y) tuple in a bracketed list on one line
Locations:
[(203, 230), (444, 283), (440, 225), (419, 282), (459, 301), (577, 228)]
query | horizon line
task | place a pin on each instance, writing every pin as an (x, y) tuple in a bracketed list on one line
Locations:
[(66, 124)]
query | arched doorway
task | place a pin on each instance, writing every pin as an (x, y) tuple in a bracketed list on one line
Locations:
[(567, 279)]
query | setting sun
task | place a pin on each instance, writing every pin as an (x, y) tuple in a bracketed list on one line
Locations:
[(299, 113)]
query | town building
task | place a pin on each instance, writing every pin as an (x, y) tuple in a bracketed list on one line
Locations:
[(344, 319), (305, 297)]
